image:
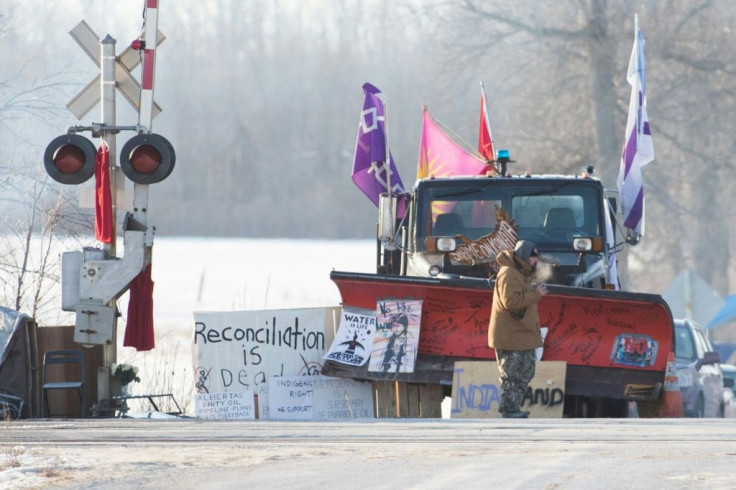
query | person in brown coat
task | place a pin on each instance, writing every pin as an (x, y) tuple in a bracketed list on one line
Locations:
[(514, 328)]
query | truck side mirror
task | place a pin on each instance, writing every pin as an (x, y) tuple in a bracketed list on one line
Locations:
[(709, 358), (387, 220)]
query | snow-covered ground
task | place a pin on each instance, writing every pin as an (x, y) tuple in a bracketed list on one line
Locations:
[(200, 274), (214, 274), (385, 453)]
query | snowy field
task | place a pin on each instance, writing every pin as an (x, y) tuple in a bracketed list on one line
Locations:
[(205, 274), (199, 274), (193, 274)]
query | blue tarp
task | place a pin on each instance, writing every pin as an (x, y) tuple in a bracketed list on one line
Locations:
[(726, 314)]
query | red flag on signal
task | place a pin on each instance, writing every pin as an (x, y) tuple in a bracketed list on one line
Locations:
[(139, 329), (103, 196)]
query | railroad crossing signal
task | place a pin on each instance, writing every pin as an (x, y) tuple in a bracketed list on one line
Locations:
[(128, 60), (146, 158)]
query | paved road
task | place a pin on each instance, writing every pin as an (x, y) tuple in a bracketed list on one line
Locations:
[(426, 454)]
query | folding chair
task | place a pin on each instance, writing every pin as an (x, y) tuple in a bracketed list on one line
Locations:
[(79, 377)]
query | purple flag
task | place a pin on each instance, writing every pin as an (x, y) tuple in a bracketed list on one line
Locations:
[(369, 164), (638, 146)]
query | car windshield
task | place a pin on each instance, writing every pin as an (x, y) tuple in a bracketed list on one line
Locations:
[(684, 345), (548, 213)]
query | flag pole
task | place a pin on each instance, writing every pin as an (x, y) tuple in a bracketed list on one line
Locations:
[(388, 153)]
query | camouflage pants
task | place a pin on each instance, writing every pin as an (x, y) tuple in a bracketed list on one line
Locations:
[(516, 369)]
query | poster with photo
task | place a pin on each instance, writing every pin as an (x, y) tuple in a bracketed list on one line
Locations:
[(354, 338), (396, 340)]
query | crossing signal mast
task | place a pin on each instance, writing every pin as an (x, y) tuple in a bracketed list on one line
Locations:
[(93, 279)]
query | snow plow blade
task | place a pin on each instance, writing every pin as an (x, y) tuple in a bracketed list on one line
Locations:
[(615, 343)]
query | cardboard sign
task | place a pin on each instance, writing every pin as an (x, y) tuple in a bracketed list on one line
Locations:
[(476, 390), (290, 397), (239, 351), (342, 398), (319, 398), (233, 405)]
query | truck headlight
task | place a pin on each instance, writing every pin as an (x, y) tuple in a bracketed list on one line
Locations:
[(446, 244), (587, 244), (440, 244), (582, 244)]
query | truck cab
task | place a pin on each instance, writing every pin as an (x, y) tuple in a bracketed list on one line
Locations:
[(563, 215)]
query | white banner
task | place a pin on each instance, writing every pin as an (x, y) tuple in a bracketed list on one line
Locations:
[(239, 351)]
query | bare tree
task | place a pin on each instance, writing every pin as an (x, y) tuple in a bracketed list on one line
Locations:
[(30, 249), (563, 99)]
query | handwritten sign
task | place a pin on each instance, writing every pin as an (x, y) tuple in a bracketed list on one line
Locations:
[(290, 398), (476, 390), (241, 350), (320, 398), (233, 405), (354, 338)]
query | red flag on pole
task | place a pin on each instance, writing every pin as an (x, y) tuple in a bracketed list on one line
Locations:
[(103, 196), (485, 139), (139, 329)]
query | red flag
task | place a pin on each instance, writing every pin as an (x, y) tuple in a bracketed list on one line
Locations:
[(139, 329), (441, 156), (103, 196), (485, 139)]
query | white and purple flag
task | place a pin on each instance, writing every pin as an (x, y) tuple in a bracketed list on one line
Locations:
[(638, 148), (369, 164)]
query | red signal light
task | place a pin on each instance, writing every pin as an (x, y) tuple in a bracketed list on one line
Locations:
[(70, 159), (147, 158)]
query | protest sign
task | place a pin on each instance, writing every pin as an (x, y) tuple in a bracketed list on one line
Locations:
[(354, 338), (396, 340), (476, 390), (240, 350), (319, 397)]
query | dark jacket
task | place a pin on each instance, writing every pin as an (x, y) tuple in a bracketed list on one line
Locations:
[(514, 316)]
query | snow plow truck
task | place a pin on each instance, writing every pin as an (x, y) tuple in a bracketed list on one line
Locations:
[(615, 343)]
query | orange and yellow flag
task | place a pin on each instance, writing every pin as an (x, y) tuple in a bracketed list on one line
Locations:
[(440, 156)]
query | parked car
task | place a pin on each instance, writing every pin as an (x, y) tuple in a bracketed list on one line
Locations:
[(698, 371), (729, 390)]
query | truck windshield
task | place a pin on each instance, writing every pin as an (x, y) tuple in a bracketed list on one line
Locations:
[(550, 213)]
